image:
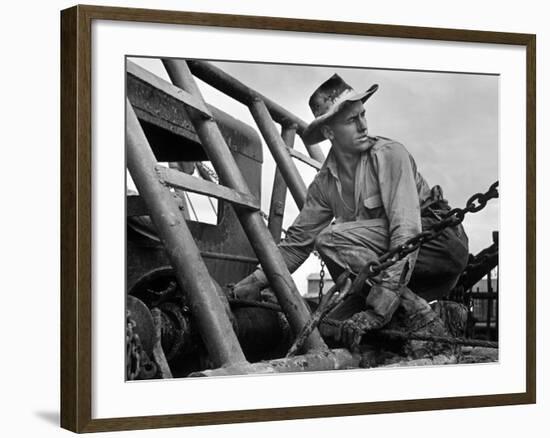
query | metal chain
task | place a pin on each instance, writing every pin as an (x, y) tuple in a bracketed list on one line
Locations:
[(138, 364), (133, 349), (321, 281), (452, 218)]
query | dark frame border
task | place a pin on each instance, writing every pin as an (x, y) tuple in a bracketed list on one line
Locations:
[(76, 173)]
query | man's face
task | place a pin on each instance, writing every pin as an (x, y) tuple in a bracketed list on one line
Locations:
[(348, 129)]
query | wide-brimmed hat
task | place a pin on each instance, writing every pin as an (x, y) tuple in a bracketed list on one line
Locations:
[(327, 100)]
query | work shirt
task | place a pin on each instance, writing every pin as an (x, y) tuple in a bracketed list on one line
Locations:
[(388, 193)]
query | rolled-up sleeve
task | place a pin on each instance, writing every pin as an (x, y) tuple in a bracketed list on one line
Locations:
[(313, 218), (399, 196)]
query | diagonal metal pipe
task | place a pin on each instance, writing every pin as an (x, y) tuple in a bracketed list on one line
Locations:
[(277, 273), (278, 193), (191, 272), (337, 359), (227, 84), (279, 151)]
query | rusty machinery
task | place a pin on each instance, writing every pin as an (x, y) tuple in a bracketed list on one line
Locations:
[(179, 320), (160, 315)]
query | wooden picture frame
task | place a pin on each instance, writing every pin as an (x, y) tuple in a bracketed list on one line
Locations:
[(76, 217)]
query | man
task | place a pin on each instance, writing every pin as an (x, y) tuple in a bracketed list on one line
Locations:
[(368, 198)]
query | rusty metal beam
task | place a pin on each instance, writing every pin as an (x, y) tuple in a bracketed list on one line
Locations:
[(136, 207), (279, 277), (186, 167), (305, 159), (278, 193), (280, 152), (471, 276), (174, 92), (337, 359), (191, 272), (229, 257), (224, 82), (177, 179), (165, 120)]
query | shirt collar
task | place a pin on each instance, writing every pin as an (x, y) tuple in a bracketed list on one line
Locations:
[(332, 166)]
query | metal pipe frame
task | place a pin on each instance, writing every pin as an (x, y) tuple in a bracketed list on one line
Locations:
[(274, 266), (279, 151), (177, 179), (278, 193), (337, 359), (227, 84), (305, 159), (184, 255)]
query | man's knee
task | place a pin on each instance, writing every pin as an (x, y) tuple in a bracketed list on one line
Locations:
[(322, 241)]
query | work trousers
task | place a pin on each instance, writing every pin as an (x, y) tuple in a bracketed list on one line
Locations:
[(439, 263)]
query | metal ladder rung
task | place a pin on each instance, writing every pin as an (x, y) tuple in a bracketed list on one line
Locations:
[(304, 158), (171, 90), (292, 303), (227, 84), (279, 150), (210, 305), (177, 179)]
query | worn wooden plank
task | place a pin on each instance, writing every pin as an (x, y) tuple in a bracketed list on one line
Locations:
[(190, 183)]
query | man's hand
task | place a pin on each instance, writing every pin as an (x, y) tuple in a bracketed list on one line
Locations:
[(249, 288)]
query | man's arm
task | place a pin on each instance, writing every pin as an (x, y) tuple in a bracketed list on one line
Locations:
[(315, 215), (399, 196)]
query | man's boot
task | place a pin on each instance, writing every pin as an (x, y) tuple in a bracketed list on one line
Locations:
[(454, 315), (416, 316)]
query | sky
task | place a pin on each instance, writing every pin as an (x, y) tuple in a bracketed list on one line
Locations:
[(448, 122)]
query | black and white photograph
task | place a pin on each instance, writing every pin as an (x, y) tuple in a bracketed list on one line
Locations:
[(275, 219), (286, 218)]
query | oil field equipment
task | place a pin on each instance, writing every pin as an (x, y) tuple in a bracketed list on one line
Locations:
[(181, 319)]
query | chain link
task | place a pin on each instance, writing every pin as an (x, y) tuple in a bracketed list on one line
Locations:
[(138, 364), (374, 267), (321, 280), (133, 349), (452, 218)]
